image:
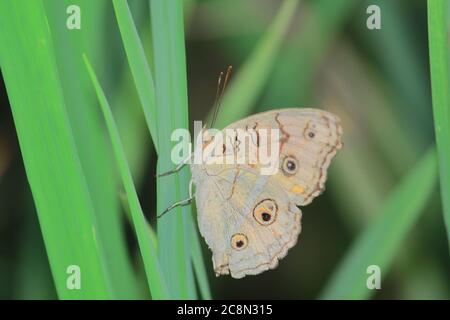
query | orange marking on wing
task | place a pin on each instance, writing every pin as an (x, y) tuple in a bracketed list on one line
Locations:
[(298, 189)]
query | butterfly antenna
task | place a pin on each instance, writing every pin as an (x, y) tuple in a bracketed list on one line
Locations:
[(216, 99), (220, 92)]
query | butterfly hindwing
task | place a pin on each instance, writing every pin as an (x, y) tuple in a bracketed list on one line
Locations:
[(249, 225)]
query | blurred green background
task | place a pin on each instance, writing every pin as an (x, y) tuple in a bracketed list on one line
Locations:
[(376, 81)]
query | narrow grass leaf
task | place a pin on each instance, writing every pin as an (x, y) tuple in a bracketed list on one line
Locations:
[(144, 82), (127, 209), (291, 82), (88, 131), (198, 262), (31, 252), (440, 85), (250, 79), (54, 172), (138, 64), (155, 276), (172, 113), (381, 241), (401, 60)]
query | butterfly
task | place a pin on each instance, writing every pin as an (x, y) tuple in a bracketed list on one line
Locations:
[(250, 220)]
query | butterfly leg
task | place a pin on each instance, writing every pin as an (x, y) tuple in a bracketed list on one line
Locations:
[(177, 168), (180, 203), (176, 204), (191, 185)]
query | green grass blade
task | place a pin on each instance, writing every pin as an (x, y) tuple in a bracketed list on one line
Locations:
[(402, 63), (198, 262), (440, 85), (304, 54), (172, 113), (88, 131), (60, 192), (155, 277), (31, 252), (138, 64), (383, 238), (250, 79), (127, 106), (144, 82)]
